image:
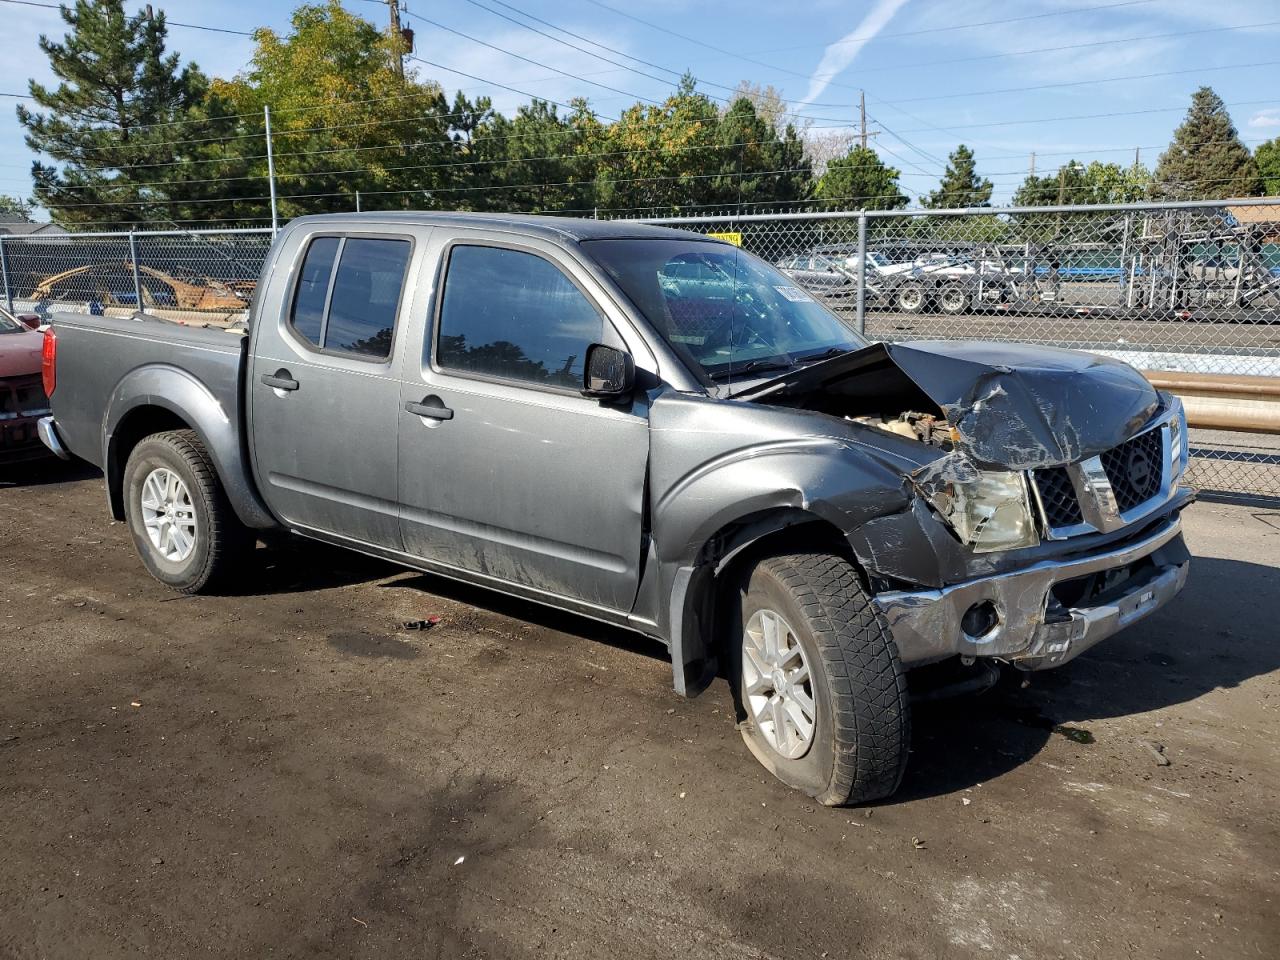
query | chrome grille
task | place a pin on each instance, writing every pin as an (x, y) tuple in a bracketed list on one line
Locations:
[(1135, 469)]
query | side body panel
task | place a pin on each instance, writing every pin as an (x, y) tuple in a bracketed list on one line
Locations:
[(112, 370), (325, 453), (542, 488)]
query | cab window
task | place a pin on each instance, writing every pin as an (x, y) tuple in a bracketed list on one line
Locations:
[(514, 315), (348, 294)]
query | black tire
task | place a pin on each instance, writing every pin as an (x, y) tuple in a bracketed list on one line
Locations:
[(862, 729), (953, 300), (911, 298), (221, 542)]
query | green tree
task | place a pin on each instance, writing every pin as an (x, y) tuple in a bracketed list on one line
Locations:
[(1267, 157), (756, 164), (112, 124), (1206, 160), (343, 119), (960, 186), (657, 157), (541, 168), (14, 208), (861, 180), (1076, 183)]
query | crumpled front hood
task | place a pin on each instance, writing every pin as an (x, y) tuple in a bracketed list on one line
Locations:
[(1013, 406), (20, 354)]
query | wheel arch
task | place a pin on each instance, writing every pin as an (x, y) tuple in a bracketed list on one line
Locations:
[(157, 398), (701, 588)]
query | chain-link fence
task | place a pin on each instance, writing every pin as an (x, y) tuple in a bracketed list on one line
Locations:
[(1193, 289), (187, 276), (1189, 288)]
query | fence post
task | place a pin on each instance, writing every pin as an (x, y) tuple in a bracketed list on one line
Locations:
[(4, 269), (862, 273), (271, 169), (133, 262)]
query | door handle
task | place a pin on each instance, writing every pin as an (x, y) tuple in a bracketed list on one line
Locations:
[(280, 380), (431, 406)]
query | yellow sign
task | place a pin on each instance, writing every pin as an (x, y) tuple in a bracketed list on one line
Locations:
[(734, 238)]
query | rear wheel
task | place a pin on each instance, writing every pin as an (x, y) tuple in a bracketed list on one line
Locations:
[(953, 300), (818, 680), (185, 531), (911, 298)]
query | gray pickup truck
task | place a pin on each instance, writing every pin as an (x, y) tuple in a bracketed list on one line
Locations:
[(657, 430)]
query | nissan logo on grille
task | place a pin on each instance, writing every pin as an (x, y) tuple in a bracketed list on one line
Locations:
[(1139, 468)]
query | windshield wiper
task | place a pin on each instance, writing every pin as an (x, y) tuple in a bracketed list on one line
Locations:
[(824, 354), (751, 366)]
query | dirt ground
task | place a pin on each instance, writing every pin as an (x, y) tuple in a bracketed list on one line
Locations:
[(288, 773)]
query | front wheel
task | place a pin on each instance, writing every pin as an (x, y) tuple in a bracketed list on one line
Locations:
[(185, 531), (818, 680)]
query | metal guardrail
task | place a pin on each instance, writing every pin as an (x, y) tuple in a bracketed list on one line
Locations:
[(1218, 402)]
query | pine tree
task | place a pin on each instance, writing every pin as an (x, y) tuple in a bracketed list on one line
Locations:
[(861, 180), (1206, 160), (110, 121), (961, 186)]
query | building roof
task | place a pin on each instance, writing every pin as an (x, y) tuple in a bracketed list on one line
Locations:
[(13, 225)]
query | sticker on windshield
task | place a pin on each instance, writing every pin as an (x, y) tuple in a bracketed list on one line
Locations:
[(794, 294)]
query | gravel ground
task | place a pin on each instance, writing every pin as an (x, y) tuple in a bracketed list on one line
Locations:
[(287, 773)]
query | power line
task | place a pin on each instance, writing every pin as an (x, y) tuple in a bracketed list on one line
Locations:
[(168, 22), (517, 56), (1068, 46), (1083, 83), (948, 29)]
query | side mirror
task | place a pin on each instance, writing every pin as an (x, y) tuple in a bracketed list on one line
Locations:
[(610, 373), (29, 320)]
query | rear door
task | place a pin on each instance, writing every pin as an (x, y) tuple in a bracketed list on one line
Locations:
[(324, 397), (506, 470)]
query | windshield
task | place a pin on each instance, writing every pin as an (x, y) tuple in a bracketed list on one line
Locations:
[(727, 313), (8, 324)]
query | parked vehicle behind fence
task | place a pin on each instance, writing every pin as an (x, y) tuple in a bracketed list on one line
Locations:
[(22, 398), (659, 431)]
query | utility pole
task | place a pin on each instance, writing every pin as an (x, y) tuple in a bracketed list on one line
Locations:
[(1032, 173), (863, 133), (1137, 157), (397, 36)]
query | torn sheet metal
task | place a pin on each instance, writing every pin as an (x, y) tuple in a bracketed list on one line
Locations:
[(1013, 407)]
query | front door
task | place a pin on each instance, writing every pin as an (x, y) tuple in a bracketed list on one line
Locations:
[(506, 470), (324, 397)]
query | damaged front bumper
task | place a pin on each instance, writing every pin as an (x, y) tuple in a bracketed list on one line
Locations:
[(1046, 614)]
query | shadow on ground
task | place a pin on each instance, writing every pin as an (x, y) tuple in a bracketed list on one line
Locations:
[(1217, 635), (46, 470)]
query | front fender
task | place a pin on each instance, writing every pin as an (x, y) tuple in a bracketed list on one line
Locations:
[(169, 388), (733, 501)]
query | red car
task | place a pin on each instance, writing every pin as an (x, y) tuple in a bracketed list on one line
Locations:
[(22, 397)]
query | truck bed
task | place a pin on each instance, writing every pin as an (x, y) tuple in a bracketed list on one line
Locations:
[(96, 355)]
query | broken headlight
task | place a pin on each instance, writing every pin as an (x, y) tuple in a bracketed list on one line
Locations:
[(1178, 451), (991, 511)]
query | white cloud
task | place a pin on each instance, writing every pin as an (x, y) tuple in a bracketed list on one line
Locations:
[(839, 55), (1265, 118)]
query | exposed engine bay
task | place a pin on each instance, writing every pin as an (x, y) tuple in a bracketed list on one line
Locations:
[(925, 427)]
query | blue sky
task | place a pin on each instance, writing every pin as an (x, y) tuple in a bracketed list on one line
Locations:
[(936, 72)]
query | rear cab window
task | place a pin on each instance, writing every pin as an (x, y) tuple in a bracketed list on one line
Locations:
[(348, 295), (514, 315)]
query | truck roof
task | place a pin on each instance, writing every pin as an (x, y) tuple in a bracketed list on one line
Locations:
[(559, 228)]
